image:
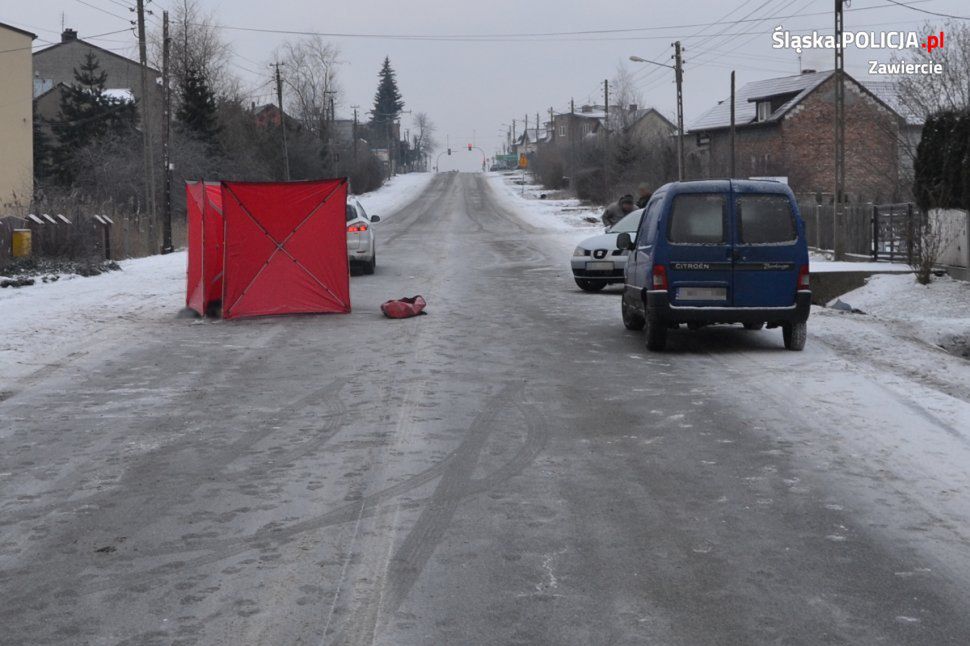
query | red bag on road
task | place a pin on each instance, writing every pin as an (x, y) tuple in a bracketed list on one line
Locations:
[(404, 308)]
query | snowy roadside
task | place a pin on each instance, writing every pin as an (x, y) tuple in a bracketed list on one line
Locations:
[(45, 323), (935, 315), (560, 214), (397, 192)]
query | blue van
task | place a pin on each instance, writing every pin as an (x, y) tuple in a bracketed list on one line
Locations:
[(718, 251)]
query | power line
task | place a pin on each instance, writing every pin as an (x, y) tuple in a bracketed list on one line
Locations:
[(97, 8), (932, 13), (501, 37)]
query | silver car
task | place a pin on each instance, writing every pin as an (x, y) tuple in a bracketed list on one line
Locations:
[(361, 245), (597, 262)]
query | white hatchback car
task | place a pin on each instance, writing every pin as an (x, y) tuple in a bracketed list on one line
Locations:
[(597, 262), (361, 244)]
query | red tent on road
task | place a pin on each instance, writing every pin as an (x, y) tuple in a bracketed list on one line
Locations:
[(283, 248)]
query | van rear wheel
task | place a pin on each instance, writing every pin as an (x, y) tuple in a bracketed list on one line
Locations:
[(795, 335), (656, 334), (632, 319)]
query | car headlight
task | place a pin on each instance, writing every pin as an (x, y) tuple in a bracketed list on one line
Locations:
[(579, 252)]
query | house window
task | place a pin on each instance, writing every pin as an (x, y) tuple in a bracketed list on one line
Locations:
[(764, 110), (562, 131)]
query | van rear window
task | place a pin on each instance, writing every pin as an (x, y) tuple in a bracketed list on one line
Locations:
[(697, 218), (765, 219)]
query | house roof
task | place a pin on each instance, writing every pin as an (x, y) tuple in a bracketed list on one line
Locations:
[(106, 52), (643, 112), (745, 102), (4, 25), (799, 86)]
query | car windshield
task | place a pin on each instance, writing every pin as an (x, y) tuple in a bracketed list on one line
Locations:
[(629, 224)]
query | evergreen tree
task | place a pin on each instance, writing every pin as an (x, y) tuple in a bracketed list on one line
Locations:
[(42, 151), (198, 111), (387, 102), (87, 115)]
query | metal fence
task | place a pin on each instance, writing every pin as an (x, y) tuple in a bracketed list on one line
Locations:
[(876, 231), (102, 232)]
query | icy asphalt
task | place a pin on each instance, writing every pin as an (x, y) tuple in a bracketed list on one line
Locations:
[(514, 468)]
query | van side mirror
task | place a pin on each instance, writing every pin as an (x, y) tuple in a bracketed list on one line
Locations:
[(375, 218), (624, 241)]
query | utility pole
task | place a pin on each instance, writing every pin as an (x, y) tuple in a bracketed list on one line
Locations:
[(679, 73), (279, 102), (606, 125), (571, 133), (732, 127), (167, 246), (146, 113), (838, 213)]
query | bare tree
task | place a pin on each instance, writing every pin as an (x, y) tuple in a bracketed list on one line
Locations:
[(623, 94), (424, 140), (927, 94), (195, 45), (311, 79)]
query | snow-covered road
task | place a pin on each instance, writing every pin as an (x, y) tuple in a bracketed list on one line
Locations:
[(513, 468)]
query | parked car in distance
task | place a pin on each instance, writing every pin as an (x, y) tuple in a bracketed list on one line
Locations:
[(718, 251), (361, 243), (597, 262)]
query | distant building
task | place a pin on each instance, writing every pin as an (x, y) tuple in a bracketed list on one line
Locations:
[(55, 65), (648, 125), (16, 118), (785, 127)]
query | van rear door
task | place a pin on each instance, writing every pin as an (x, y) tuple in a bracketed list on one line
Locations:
[(767, 252), (699, 267)]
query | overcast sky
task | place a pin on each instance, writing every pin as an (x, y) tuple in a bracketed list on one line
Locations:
[(473, 90)]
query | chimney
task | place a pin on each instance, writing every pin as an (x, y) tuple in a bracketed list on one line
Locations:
[(809, 71), (586, 109), (68, 35), (633, 107)]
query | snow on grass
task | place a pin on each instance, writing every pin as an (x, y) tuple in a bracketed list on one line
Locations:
[(937, 314), (47, 321), (560, 214), (397, 192)]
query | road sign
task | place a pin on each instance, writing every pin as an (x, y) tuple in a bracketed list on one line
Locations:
[(523, 161)]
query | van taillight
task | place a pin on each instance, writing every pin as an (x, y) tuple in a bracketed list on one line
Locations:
[(659, 277), (803, 279)]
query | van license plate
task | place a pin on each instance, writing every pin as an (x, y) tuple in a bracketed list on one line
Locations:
[(599, 266), (702, 293)]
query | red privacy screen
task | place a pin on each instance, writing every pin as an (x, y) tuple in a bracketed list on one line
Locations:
[(283, 248), (286, 248), (205, 242)]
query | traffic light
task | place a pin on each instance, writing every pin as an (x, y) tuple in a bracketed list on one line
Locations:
[(469, 147), (449, 151)]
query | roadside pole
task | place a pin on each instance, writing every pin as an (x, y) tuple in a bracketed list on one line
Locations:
[(679, 73), (838, 199), (167, 246), (146, 113), (733, 157), (279, 102)]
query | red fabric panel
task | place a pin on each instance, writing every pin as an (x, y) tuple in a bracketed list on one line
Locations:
[(213, 233), (195, 286), (285, 248)]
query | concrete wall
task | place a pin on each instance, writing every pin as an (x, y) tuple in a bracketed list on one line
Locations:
[(16, 119), (952, 225)]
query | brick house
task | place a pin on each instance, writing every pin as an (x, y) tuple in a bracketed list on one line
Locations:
[(784, 127), (16, 122)]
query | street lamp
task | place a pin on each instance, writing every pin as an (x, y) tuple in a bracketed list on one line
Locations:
[(678, 69)]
